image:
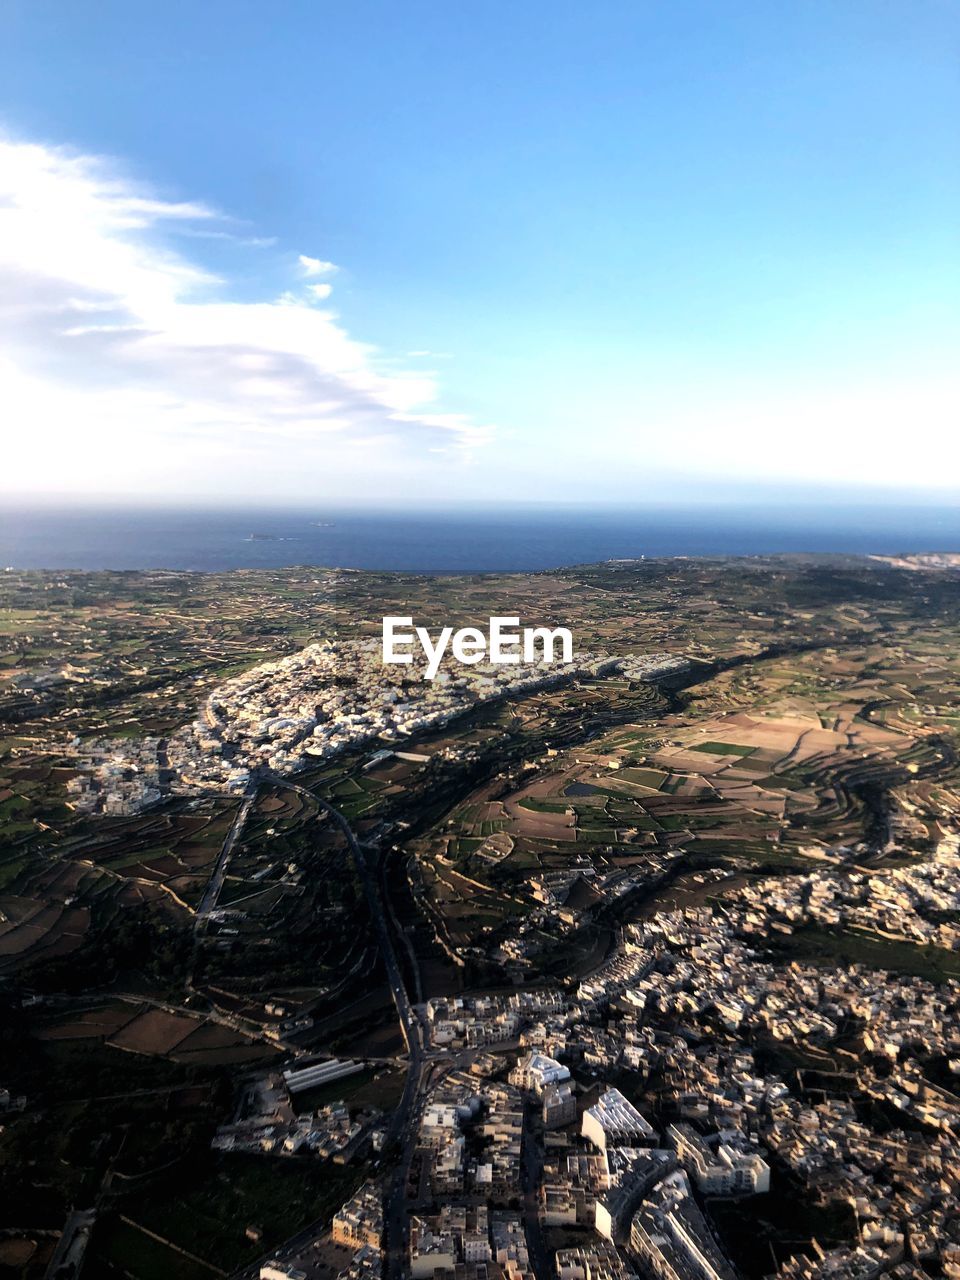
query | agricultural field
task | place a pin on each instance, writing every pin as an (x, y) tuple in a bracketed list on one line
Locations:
[(290, 918), (205, 1215), (777, 763), (147, 959)]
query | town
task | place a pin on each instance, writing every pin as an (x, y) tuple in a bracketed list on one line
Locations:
[(641, 966), (312, 705)]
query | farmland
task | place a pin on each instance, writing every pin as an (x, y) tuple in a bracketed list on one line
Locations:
[(148, 959)]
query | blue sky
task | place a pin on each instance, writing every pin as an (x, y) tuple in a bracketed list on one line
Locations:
[(648, 248)]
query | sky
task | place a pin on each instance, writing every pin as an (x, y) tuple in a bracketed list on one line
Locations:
[(435, 252)]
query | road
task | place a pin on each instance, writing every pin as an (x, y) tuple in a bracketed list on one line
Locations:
[(532, 1175), (425, 1067), (404, 937), (67, 1257), (401, 1128), (409, 1023), (215, 883)]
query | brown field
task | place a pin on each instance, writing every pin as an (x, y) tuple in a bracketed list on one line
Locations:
[(92, 1024), (213, 1043), (775, 742), (154, 1032), (16, 1253), (271, 804), (161, 1033), (543, 826), (135, 892), (29, 925)]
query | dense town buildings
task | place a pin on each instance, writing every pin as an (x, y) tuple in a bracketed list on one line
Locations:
[(283, 715)]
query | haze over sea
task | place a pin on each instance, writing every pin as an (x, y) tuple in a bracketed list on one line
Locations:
[(473, 539)]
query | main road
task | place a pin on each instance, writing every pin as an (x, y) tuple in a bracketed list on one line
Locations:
[(401, 1129), (215, 883)]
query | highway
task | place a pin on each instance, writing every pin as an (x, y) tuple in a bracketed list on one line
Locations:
[(401, 1128), (423, 1070), (409, 1023), (532, 1175), (215, 883)]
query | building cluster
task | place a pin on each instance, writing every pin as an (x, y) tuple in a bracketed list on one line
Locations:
[(681, 1006), (467, 1022), (535, 1072), (652, 667), (549, 1083), (728, 1166), (623, 1176), (592, 1142), (599, 1189), (566, 899), (328, 698), (470, 1139), (266, 1123), (918, 904), (673, 1240), (470, 1242), (595, 1259), (118, 776), (282, 715), (482, 1141), (358, 1225)]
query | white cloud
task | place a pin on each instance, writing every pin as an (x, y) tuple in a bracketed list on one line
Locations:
[(316, 266), (127, 366)]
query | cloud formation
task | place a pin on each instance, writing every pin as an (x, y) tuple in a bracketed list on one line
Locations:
[(127, 365), (316, 266)]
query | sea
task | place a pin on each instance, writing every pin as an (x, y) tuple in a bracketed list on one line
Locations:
[(474, 540)]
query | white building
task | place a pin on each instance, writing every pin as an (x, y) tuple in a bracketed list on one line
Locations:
[(615, 1122), (726, 1171), (535, 1071), (281, 1271)]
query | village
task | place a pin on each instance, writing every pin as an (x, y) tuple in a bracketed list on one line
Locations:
[(310, 706), (521, 1116)]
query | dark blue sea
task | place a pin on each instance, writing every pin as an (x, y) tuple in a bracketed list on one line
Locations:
[(528, 539)]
